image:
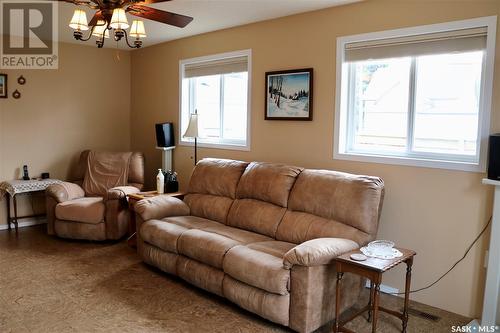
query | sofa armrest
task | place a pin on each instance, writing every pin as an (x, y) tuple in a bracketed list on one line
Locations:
[(65, 191), (318, 251), (121, 192), (161, 206)]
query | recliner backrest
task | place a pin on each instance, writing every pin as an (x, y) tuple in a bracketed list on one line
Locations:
[(135, 173)]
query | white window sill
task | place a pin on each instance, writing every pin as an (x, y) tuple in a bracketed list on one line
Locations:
[(226, 146), (410, 161)]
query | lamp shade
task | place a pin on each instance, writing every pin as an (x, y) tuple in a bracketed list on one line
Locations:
[(137, 30), (119, 19), (79, 20), (101, 28), (192, 130)]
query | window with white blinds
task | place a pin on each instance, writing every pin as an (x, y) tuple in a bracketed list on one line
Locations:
[(217, 88), (417, 96)]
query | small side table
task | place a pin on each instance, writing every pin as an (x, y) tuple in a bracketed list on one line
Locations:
[(133, 199), (12, 188), (372, 269)]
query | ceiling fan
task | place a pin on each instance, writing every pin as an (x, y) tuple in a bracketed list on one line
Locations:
[(110, 14)]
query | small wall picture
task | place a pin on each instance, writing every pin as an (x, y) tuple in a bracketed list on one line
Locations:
[(3, 85), (289, 95)]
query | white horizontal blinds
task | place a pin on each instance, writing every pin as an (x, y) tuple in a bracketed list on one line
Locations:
[(214, 67), (462, 40)]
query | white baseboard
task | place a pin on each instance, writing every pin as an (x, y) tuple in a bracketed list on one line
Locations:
[(384, 288), (25, 222)]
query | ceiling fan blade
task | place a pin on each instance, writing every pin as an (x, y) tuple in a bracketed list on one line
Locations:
[(101, 15), (148, 2), (159, 15), (98, 16), (74, 2), (89, 3)]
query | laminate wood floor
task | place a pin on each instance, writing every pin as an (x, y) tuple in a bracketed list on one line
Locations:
[(51, 285)]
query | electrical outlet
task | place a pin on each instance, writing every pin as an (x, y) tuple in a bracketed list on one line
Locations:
[(486, 255)]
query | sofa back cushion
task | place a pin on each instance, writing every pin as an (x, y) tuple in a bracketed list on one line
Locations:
[(212, 188), (332, 204), (216, 177), (262, 197), (269, 182)]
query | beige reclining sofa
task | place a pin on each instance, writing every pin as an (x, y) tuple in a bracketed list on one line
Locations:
[(264, 235)]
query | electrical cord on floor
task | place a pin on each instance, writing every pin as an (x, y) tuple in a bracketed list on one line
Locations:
[(454, 265)]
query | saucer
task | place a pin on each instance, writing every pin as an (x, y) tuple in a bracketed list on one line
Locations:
[(395, 254)]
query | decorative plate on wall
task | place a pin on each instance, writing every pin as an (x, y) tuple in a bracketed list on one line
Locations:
[(3, 86)]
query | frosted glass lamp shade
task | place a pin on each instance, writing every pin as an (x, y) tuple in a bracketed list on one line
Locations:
[(137, 30), (192, 130), (100, 29), (79, 20), (119, 19)]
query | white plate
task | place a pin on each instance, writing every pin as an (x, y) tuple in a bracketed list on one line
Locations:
[(395, 254), (358, 257)]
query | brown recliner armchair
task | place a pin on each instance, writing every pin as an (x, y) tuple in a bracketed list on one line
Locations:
[(75, 213)]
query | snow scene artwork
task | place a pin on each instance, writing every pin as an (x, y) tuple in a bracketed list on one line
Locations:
[(289, 95)]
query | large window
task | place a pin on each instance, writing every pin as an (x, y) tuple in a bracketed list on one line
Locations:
[(418, 96), (217, 89)]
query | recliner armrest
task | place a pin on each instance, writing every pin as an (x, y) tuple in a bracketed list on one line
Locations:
[(161, 206), (121, 192), (319, 251), (65, 191)]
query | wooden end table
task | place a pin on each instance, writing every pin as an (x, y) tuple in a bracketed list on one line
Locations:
[(133, 199), (372, 269), (13, 188)]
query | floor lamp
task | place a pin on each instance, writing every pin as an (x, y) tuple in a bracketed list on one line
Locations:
[(192, 132)]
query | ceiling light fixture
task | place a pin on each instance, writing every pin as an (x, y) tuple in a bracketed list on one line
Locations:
[(112, 15), (101, 28)]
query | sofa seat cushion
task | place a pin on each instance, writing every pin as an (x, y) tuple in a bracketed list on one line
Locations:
[(239, 235), (206, 247), (260, 265), (191, 222), (211, 242), (162, 234), (165, 233), (85, 210), (197, 238)]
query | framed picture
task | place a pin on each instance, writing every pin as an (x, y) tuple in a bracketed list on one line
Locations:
[(289, 95), (3, 85)]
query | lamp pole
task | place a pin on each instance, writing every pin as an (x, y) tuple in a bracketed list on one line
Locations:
[(195, 149)]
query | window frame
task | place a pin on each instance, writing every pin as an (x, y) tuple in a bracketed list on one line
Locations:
[(223, 145), (432, 160)]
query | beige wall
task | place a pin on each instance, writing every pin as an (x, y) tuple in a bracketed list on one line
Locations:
[(436, 212), (83, 104)]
